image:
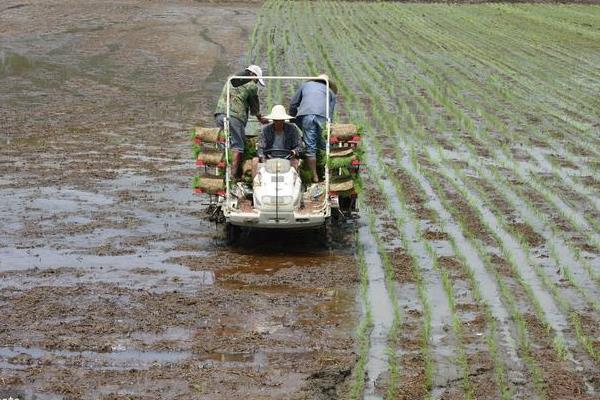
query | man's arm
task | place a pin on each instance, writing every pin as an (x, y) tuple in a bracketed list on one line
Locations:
[(253, 102), (295, 102), (332, 102), (221, 106), (261, 144), (254, 105)]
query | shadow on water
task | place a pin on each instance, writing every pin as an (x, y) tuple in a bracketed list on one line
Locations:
[(259, 242)]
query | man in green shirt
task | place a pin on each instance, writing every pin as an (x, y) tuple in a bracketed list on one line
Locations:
[(243, 99)]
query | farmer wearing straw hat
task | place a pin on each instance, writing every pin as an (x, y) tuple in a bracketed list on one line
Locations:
[(278, 135), (308, 105), (243, 98)]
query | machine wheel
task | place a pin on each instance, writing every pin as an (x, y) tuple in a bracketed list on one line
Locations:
[(323, 233), (232, 233)]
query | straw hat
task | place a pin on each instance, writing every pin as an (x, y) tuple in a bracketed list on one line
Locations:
[(256, 70), (278, 113), (325, 77)]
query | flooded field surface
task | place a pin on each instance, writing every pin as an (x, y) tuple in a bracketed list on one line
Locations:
[(472, 272), (112, 285)]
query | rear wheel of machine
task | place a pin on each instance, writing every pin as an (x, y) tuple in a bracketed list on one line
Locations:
[(232, 233), (323, 233)]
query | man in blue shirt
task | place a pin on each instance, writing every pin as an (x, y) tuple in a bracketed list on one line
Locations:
[(309, 106)]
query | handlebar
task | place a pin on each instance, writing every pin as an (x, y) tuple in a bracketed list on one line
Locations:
[(278, 153)]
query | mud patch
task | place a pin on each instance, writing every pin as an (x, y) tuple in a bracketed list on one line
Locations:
[(527, 233)]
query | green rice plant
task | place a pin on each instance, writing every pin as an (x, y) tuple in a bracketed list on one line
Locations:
[(585, 340), (560, 347)]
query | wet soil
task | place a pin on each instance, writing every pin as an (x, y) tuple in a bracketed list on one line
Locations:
[(113, 286)]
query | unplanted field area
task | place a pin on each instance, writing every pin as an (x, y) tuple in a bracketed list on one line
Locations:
[(112, 285), (479, 244)]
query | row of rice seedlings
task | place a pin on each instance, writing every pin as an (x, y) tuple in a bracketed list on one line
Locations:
[(566, 306), (461, 250), (281, 38), (589, 195), (481, 251), (587, 228), (583, 340), (565, 55), (524, 342), (510, 163), (388, 270), (257, 37), (575, 268), (469, 160), (394, 332), (486, 140), (517, 254), (581, 16), (528, 69), (399, 216), (395, 195), (447, 286), (483, 88), (548, 233)]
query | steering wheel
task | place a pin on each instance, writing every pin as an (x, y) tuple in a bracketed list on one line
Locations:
[(278, 153)]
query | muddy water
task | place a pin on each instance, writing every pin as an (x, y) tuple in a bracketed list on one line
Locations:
[(442, 343), (381, 309), (107, 266), (488, 287)]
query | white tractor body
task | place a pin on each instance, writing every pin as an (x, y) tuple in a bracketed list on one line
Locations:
[(278, 201)]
